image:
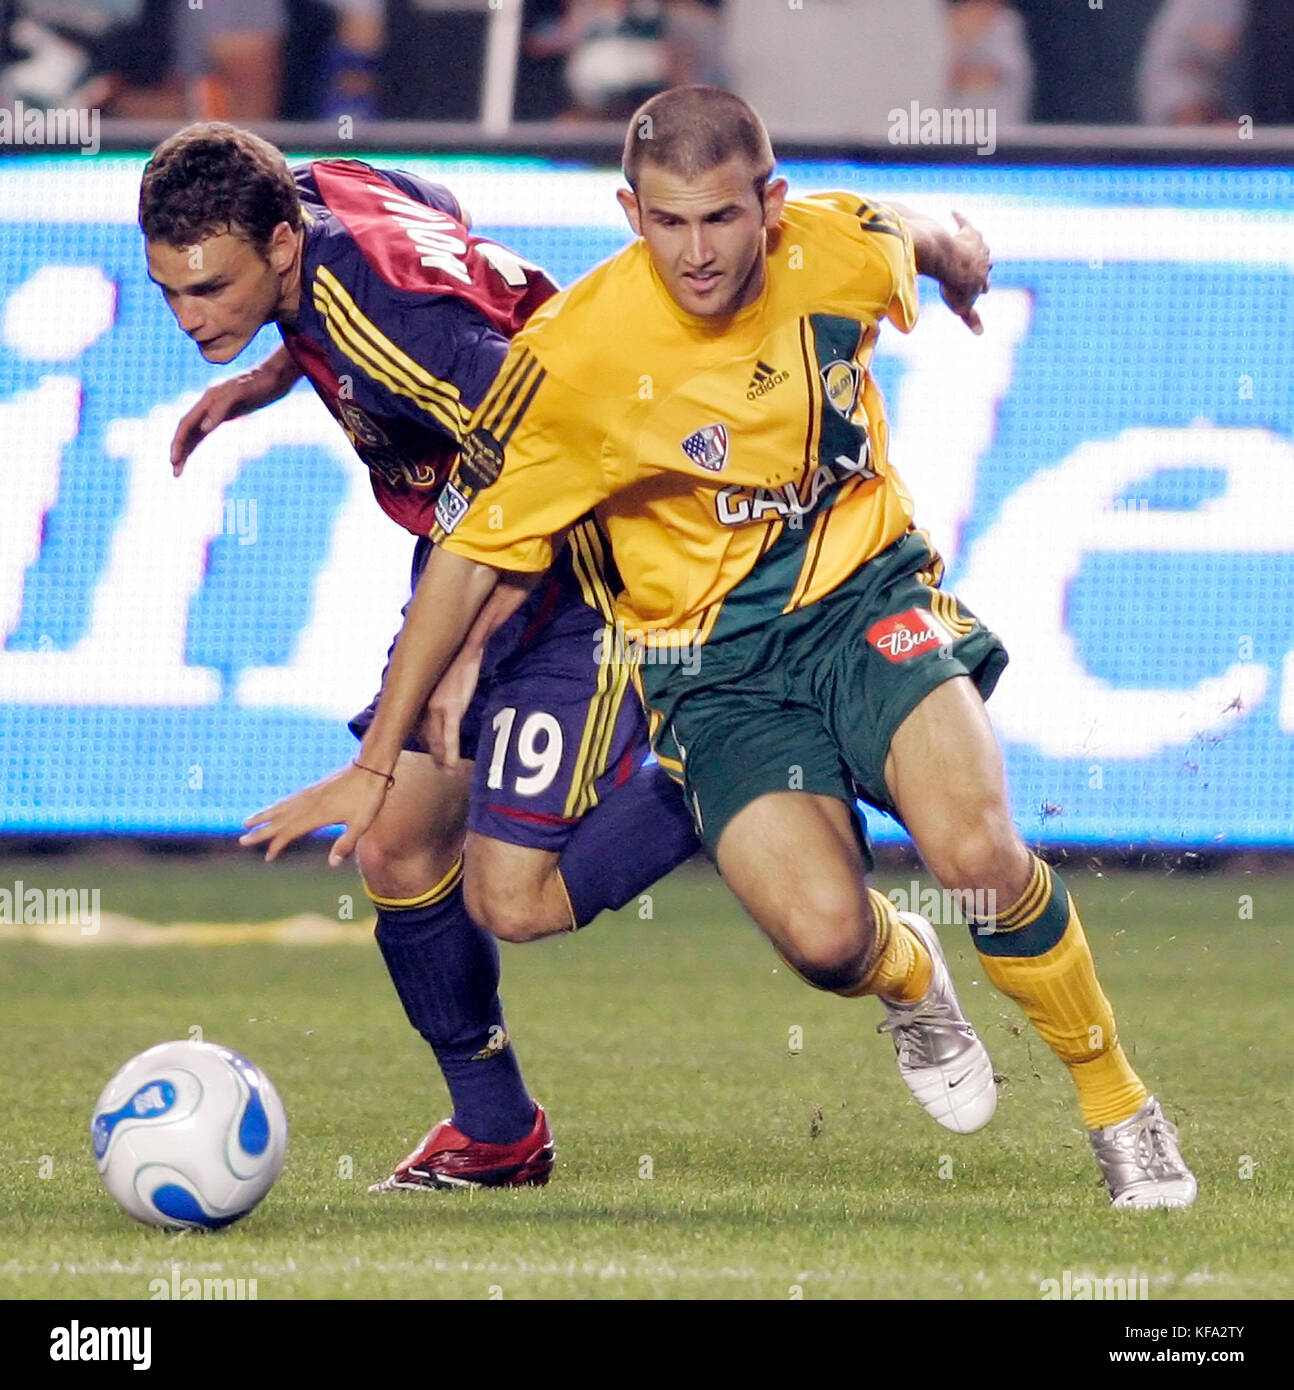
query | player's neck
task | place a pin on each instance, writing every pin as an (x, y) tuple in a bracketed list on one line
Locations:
[(755, 282)]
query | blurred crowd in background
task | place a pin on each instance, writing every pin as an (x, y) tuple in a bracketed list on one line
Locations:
[(815, 69)]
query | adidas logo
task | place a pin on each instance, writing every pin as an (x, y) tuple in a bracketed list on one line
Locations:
[(765, 378)]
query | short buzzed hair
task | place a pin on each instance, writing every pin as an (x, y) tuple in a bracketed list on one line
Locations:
[(211, 178), (691, 130)]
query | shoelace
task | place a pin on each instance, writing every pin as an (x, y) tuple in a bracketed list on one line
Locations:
[(1155, 1139), (910, 1029), (1149, 1144)]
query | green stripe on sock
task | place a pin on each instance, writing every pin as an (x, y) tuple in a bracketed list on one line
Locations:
[(1036, 939)]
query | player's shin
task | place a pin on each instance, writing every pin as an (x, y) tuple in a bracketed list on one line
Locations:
[(1036, 953), (446, 971), (940, 1058), (638, 834)]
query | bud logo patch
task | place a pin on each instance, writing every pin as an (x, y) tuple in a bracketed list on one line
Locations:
[(908, 634)]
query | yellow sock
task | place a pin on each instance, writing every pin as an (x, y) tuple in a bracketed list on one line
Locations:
[(901, 968), (1037, 954)]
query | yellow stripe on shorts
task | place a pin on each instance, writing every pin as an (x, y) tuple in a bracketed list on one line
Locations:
[(605, 704)]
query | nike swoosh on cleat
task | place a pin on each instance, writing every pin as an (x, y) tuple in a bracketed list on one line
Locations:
[(952, 1085)]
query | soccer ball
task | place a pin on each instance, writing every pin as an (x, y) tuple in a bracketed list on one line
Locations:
[(189, 1135)]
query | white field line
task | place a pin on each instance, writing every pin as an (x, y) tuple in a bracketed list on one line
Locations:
[(307, 929), (638, 1267)]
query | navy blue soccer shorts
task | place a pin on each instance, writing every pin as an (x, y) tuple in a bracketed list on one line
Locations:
[(555, 724)]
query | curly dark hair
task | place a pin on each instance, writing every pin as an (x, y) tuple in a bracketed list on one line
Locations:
[(212, 178)]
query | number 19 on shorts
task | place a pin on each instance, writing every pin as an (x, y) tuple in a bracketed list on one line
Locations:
[(539, 750)]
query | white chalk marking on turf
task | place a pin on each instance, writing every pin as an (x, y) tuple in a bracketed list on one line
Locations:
[(603, 1269), (636, 1267), (307, 929)]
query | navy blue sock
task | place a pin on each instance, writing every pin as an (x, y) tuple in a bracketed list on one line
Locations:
[(446, 971), (638, 834)]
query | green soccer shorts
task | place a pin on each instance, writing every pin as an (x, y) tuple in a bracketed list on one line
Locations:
[(810, 701)]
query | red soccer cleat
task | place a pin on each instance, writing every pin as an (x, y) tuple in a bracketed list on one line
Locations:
[(448, 1158)]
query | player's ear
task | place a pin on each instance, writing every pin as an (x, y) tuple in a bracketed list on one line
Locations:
[(774, 201), (628, 200), (282, 246)]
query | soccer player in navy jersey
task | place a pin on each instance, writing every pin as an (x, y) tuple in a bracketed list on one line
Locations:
[(400, 318)]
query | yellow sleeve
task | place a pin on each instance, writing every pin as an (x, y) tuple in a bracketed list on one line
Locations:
[(890, 243), (884, 284), (529, 468)]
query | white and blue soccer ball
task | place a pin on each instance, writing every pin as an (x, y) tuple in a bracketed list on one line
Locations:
[(189, 1135)]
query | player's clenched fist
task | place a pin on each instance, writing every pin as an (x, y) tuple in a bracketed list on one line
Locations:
[(350, 798), (240, 396)]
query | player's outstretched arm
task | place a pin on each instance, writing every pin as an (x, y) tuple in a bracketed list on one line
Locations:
[(450, 594), (960, 261), (248, 391)]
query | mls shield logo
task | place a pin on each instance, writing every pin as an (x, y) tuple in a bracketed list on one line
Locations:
[(708, 447), (451, 508)]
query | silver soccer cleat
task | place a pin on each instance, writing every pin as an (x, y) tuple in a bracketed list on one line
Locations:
[(941, 1059), (1141, 1162)]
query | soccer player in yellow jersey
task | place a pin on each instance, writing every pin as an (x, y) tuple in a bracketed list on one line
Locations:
[(707, 392)]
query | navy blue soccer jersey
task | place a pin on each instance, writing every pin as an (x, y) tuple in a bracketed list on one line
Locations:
[(404, 321), (405, 318)]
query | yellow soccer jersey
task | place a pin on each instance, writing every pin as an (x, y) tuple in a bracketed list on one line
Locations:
[(739, 471)]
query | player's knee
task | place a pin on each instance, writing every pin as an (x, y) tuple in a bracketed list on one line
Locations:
[(400, 868), (504, 915), (377, 867), (829, 940), (831, 966), (987, 856)]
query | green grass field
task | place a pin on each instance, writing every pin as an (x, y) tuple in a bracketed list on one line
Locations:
[(697, 1156)]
